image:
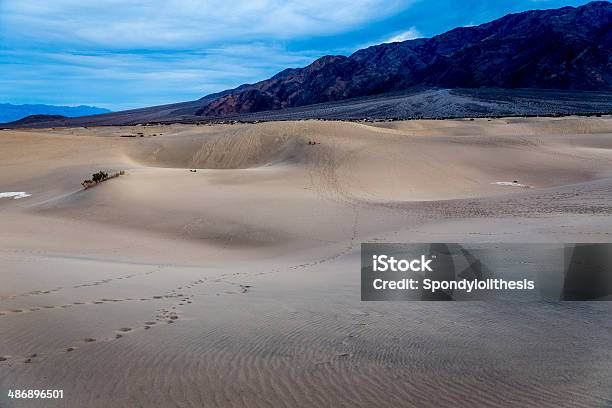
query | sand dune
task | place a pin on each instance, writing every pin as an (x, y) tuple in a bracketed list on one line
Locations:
[(238, 284)]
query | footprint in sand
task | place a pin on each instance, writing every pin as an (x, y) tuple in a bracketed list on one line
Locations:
[(69, 349), (125, 329), (89, 340), (149, 324), (4, 358), (29, 359)]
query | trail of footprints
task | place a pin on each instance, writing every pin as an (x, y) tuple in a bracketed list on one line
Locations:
[(82, 285), (74, 304), (161, 316)]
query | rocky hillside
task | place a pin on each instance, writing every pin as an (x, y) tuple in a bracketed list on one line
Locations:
[(568, 48)]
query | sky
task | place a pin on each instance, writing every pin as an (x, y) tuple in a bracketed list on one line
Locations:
[(123, 54)]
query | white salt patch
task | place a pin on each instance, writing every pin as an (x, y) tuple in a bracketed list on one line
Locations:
[(16, 195), (511, 183)]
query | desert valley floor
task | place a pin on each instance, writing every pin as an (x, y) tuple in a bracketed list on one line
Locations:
[(237, 285)]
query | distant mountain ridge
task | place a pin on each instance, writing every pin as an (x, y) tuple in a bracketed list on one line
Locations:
[(10, 112), (568, 48)]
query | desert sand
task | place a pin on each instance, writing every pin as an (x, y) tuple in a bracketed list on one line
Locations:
[(237, 285)]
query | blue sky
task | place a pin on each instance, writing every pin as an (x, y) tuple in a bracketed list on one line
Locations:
[(122, 54)]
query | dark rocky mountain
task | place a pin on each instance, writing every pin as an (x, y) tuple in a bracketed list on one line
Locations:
[(35, 119), (10, 112), (568, 48)]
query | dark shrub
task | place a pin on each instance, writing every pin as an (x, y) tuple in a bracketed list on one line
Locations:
[(99, 176)]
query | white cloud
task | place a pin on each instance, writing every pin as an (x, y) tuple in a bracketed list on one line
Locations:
[(409, 34), (128, 53), (121, 80), (155, 24)]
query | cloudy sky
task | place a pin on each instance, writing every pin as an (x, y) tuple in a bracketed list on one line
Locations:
[(122, 54)]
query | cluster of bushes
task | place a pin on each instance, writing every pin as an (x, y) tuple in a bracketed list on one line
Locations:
[(100, 177)]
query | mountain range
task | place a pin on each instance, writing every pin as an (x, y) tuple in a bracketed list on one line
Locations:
[(567, 48), (534, 62), (10, 112)]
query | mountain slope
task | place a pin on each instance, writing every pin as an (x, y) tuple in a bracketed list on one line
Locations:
[(175, 112), (567, 48), (36, 119), (10, 112)]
